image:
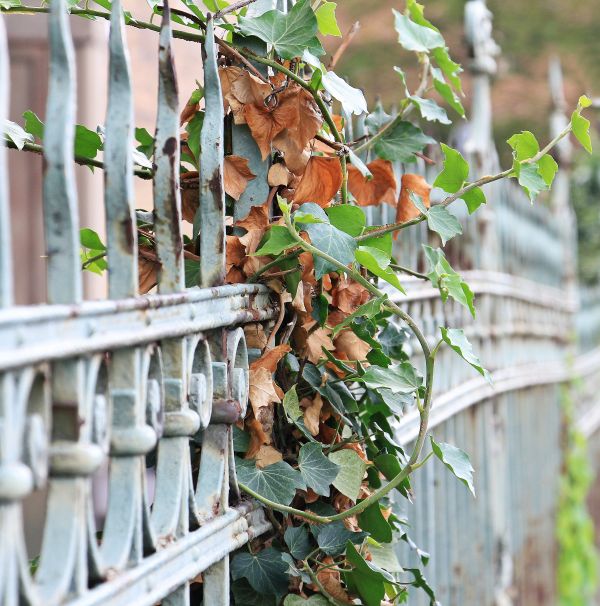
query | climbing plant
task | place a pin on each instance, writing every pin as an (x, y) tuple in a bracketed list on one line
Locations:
[(334, 374)]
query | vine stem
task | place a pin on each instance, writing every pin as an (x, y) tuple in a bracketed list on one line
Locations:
[(467, 188), (412, 463), (144, 173)]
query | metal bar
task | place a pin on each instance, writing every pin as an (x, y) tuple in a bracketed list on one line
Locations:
[(61, 220), (30, 336), (167, 198), (118, 160), (6, 286), (212, 194), (163, 572)]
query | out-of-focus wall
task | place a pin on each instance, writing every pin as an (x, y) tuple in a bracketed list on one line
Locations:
[(29, 80)]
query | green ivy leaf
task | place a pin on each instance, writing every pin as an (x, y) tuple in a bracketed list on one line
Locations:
[(456, 460), (430, 110), (371, 520), (317, 470), (370, 309), (326, 21), (531, 180), (384, 556), (377, 263), (350, 475), (368, 578), (277, 239), (377, 118), (289, 34), (420, 582), (191, 269), (444, 223), (450, 68), (474, 198), (352, 99), (401, 142), (87, 142), (348, 218), (16, 134), (193, 128), (454, 173), (265, 571), (460, 344), (446, 93), (33, 125), (328, 239), (244, 595), (146, 142), (450, 283), (90, 239), (291, 404), (297, 541), (277, 482), (333, 537), (314, 600), (547, 168), (415, 37), (360, 165), (581, 130), (399, 379), (389, 466)]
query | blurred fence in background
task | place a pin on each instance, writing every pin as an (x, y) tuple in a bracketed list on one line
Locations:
[(173, 363)]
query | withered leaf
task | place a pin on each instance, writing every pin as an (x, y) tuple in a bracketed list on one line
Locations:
[(381, 188), (267, 455), (271, 358), (312, 413), (278, 175), (266, 123), (406, 210), (348, 343), (236, 175), (190, 195), (309, 119), (296, 158), (320, 182)]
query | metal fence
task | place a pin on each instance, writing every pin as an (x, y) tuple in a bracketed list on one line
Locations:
[(111, 387)]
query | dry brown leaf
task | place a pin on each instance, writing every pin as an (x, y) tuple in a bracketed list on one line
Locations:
[(257, 438), (247, 89), (235, 276), (349, 295), (298, 300), (309, 119), (235, 251), (190, 195), (265, 123), (236, 175), (148, 265), (406, 210), (312, 413), (267, 455), (188, 112), (331, 581), (279, 175), (320, 182), (262, 395), (296, 158), (271, 358), (348, 343), (255, 336), (381, 188), (318, 339), (257, 218)]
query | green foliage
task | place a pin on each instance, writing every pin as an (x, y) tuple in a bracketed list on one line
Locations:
[(401, 142), (318, 472), (456, 460), (460, 344), (289, 34), (578, 561)]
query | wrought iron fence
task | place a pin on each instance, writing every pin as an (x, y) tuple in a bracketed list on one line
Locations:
[(145, 389)]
